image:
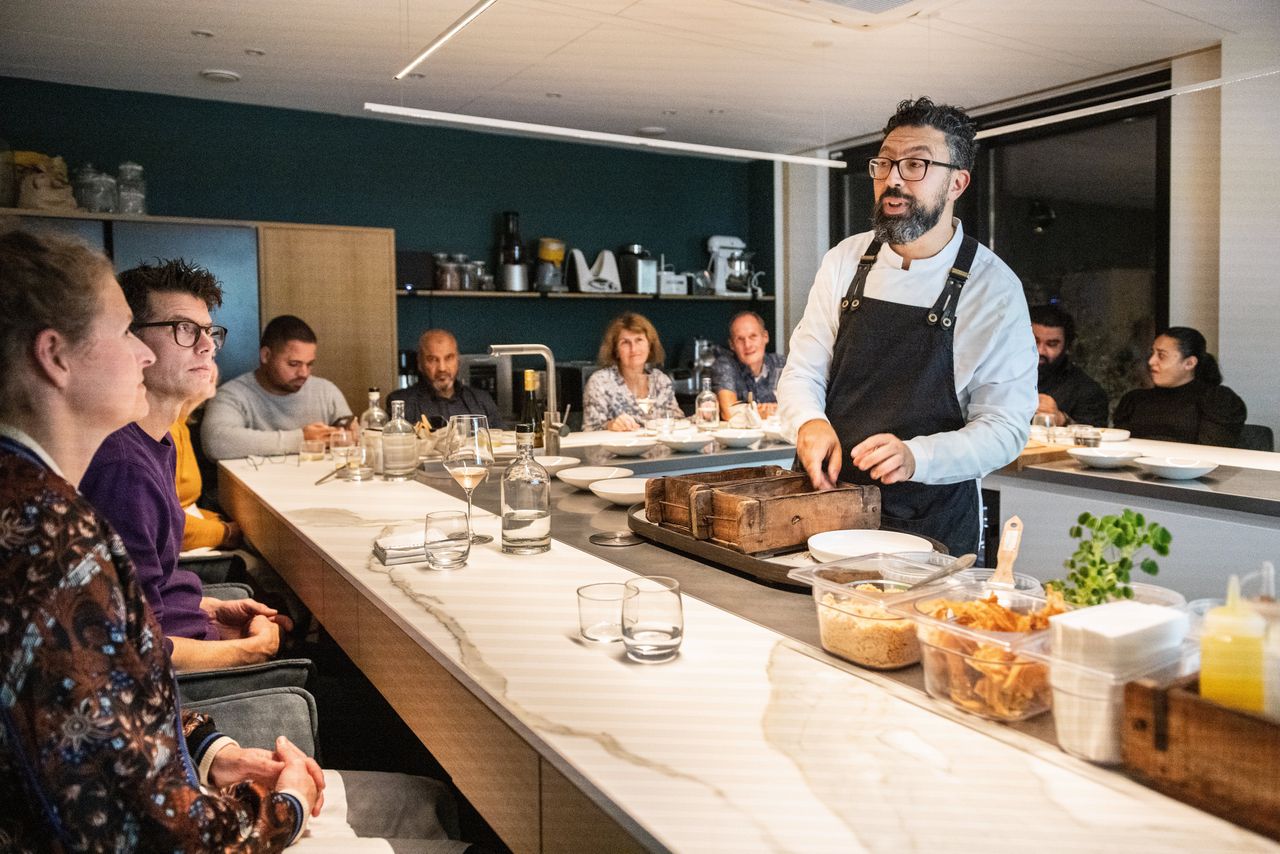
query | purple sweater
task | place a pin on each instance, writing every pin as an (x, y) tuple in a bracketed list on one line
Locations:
[(131, 482)]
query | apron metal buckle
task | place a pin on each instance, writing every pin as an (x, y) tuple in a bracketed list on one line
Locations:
[(946, 322), (933, 317)]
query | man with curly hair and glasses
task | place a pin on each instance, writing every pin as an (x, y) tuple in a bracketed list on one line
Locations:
[(914, 356)]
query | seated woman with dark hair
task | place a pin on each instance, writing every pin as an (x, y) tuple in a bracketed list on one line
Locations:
[(631, 388), (1188, 402)]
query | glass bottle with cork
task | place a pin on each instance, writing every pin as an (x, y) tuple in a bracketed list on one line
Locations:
[(526, 500), (706, 407)]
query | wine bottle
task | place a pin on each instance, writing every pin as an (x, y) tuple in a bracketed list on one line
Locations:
[(531, 408)]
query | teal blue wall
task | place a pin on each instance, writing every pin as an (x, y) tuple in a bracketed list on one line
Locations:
[(440, 189)]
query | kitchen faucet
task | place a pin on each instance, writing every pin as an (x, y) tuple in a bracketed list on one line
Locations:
[(551, 424)]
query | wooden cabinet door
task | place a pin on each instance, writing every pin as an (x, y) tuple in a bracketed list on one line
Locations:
[(341, 281)]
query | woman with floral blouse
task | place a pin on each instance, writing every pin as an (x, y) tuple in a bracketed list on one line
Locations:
[(630, 389)]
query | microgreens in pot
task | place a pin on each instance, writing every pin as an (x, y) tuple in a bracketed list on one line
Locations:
[(1099, 569)]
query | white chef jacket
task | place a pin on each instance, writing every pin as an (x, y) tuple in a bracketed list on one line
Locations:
[(994, 353)]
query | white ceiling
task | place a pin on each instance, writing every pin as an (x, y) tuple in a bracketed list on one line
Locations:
[(778, 75)]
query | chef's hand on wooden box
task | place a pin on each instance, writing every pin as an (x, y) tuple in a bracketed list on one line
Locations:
[(818, 449)]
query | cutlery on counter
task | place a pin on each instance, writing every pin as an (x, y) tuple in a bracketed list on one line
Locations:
[(960, 565)]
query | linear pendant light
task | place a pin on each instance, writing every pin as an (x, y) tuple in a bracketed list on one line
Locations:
[(452, 30), (580, 135)]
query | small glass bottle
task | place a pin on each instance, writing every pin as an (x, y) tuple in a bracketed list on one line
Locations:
[(707, 408), (399, 445), (372, 422), (526, 500)]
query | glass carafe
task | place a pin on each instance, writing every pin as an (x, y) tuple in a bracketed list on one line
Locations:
[(526, 500)]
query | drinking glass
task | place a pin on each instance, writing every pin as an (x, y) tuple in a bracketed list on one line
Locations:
[(341, 444), (645, 405), (469, 455), (445, 540), (652, 619), (600, 612), (311, 450)]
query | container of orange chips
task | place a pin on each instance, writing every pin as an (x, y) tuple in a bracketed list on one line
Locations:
[(984, 648)]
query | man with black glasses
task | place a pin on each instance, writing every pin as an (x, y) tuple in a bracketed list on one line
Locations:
[(914, 355), (131, 478)]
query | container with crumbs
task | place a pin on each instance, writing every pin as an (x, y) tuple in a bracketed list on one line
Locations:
[(854, 617)]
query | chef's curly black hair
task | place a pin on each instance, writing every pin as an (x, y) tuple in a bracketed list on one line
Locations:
[(952, 121)]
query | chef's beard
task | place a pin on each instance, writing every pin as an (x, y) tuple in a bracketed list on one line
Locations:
[(911, 226), (1049, 368)]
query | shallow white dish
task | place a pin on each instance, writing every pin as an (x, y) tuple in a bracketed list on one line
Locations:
[(733, 438), (1175, 468), (1114, 434), (630, 447), (1104, 458), (834, 545), (685, 442), (583, 476), (555, 464), (625, 490)]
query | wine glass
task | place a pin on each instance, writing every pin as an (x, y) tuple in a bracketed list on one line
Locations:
[(341, 445), (645, 405), (468, 457)]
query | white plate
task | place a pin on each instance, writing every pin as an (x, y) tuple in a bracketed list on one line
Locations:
[(834, 545), (1114, 434), (1176, 468), (685, 442), (1104, 458), (583, 476), (630, 447), (555, 464), (732, 438), (625, 490)]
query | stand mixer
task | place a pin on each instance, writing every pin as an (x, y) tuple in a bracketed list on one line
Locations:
[(730, 266)]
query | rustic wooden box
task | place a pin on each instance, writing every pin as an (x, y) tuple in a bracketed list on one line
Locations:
[(1220, 760), (779, 515), (668, 500)]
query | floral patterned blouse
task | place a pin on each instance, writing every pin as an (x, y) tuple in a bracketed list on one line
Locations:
[(94, 753), (607, 396)]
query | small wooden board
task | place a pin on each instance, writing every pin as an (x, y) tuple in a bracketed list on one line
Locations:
[(1217, 759), (1036, 453)]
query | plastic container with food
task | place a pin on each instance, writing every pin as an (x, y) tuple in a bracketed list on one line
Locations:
[(855, 621), (910, 567), (985, 650)]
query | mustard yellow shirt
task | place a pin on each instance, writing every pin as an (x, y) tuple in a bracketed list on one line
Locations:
[(204, 527)]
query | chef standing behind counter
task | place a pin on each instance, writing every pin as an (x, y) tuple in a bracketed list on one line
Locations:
[(915, 349)]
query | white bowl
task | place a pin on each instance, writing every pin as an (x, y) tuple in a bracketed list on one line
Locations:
[(685, 442), (630, 447), (1104, 458), (1176, 468), (834, 545), (583, 476), (555, 464), (733, 438), (625, 490), (1114, 434)]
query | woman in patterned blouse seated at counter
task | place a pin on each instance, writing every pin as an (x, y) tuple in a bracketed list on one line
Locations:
[(1188, 402), (630, 389)]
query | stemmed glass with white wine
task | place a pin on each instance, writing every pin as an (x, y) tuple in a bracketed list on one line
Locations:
[(467, 459)]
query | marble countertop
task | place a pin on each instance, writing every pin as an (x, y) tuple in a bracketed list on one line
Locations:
[(749, 740)]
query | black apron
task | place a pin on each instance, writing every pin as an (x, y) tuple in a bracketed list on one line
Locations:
[(892, 371)]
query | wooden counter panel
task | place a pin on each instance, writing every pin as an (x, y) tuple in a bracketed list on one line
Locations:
[(573, 824), (491, 765), (341, 608)]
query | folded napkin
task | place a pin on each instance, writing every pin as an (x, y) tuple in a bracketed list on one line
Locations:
[(404, 547)]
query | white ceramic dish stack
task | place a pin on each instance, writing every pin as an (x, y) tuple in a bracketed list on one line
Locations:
[(555, 464), (1114, 434), (630, 447), (1175, 468), (583, 476), (734, 438), (1104, 458), (624, 490), (685, 442), (835, 545)]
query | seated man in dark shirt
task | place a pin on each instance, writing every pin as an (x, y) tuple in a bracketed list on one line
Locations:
[(438, 394), (747, 368), (1067, 393)]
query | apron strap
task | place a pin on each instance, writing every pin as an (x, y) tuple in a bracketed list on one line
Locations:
[(944, 310), (853, 297)]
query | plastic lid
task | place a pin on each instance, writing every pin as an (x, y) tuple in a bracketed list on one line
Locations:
[(1234, 618)]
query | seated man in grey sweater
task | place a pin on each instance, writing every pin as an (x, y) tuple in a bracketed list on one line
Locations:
[(273, 408)]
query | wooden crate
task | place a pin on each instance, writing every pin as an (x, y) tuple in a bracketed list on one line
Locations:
[(1217, 759), (668, 501), (780, 515), (1038, 452)]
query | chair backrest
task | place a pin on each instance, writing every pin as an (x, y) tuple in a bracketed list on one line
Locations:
[(255, 718), (1257, 437)]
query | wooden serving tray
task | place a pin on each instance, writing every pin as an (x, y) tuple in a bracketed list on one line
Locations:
[(1217, 759)]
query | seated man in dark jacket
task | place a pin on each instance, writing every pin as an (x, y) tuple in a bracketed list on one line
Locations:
[(1067, 393), (438, 394)]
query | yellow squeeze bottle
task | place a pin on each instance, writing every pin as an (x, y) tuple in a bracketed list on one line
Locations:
[(1231, 654)]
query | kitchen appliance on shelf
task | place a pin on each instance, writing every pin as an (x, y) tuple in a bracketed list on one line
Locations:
[(637, 272), (600, 278), (730, 266)]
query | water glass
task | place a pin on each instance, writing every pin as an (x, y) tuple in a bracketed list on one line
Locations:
[(652, 619), (446, 543), (311, 450), (600, 612)]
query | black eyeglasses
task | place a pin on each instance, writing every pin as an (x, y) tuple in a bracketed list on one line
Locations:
[(187, 332), (910, 168)]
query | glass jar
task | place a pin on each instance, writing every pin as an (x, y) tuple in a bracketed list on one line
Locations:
[(447, 277), (132, 189)]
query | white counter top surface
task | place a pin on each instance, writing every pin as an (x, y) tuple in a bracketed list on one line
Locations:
[(749, 741)]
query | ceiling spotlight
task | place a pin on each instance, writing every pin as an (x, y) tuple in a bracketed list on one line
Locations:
[(254, 51), (220, 75), (202, 34), (651, 130)]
